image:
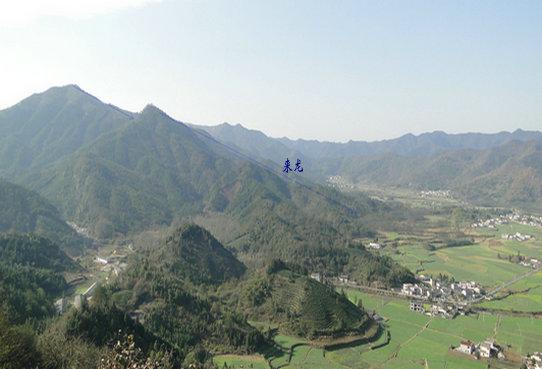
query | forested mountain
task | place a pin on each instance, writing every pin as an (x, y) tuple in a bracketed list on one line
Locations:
[(426, 144), (153, 170), (48, 126), (193, 254), (253, 143), (31, 270), (25, 211), (491, 169), (510, 174), (175, 303)]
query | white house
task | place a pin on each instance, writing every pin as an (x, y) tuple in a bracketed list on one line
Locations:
[(466, 347)]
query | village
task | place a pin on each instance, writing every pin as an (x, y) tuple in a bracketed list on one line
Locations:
[(448, 298), (490, 349), (440, 290), (520, 237), (443, 194), (530, 220), (486, 349)]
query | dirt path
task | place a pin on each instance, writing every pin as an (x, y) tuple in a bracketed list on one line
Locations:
[(497, 325), (401, 345)]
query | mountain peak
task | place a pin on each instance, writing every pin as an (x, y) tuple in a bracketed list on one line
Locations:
[(70, 90), (151, 109)]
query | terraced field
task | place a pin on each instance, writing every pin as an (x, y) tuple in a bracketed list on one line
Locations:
[(417, 341)]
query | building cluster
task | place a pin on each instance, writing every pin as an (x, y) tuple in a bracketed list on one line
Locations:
[(340, 183), (433, 289), (446, 194), (80, 230), (531, 263), (533, 361), (517, 237), (486, 349), (491, 223), (115, 263), (438, 309), (375, 245), (530, 220)]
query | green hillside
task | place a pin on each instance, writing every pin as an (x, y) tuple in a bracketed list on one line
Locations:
[(25, 211), (31, 276), (174, 298), (193, 254), (48, 126), (303, 306), (508, 175), (153, 170)]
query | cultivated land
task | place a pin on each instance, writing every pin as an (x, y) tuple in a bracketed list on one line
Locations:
[(420, 341), (417, 341)]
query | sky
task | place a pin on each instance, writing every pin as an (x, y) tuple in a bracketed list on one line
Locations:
[(328, 70)]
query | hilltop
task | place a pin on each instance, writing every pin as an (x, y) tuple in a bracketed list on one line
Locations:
[(193, 254), (175, 303), (302, 306)]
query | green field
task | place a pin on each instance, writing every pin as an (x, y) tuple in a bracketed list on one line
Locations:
[(528, 299), (240, 361), (479, 262), (417, 341)]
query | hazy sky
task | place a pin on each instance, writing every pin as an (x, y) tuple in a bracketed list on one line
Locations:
[(333, 70)]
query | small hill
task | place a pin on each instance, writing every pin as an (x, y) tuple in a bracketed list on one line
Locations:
[(303, 306), (192, 253), (170, 287), (25, 211)]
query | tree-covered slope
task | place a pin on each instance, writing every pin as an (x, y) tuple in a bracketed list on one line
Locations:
[(507, 175), (31, 276), (153, 170), (301, 305), (175, 303), (25, 211), (192, 253), (254, 144), (50, 125)]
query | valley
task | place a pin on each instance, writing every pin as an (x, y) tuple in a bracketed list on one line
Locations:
[(163, 239)]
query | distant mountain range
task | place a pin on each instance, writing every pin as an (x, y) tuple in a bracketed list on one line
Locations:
[(426, 144), (489, 169)]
